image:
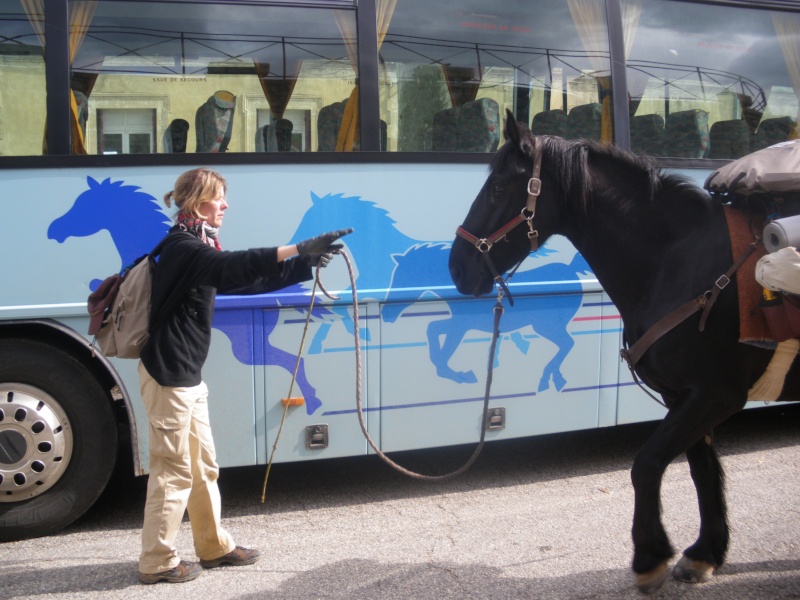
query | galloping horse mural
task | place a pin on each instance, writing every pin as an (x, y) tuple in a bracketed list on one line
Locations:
[(335, 211), (101, 208), (400, 262), (423, 267)]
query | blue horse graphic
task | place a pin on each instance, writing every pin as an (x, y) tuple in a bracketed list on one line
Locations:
[(113, 207), (371, 246), (423, 268)]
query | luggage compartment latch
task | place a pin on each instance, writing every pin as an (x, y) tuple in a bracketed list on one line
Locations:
[(316, 437), (496, 418)]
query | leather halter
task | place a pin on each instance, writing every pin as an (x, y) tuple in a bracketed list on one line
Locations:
[(525, 216)]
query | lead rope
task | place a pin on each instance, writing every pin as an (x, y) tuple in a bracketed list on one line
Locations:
[(498, 312)]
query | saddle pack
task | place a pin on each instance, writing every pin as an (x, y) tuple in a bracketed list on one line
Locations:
[(767, 183)]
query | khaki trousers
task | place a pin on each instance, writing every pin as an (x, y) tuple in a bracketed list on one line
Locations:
[(183, 476)]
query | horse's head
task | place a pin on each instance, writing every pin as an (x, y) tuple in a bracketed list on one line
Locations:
[(334, 211), (111, 205), (421, 269), (502, 200), (87, 216)]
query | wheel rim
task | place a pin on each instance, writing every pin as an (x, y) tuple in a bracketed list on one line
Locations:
[(35, 442)]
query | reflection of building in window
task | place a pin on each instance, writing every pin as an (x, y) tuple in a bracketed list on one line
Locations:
[(292, 133), (126, 131)]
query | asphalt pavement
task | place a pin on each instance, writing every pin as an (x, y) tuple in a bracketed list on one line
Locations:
[(544, 517)]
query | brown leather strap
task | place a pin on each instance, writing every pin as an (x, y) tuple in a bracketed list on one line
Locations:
[(723, 281), (679, 315), (665, 324)]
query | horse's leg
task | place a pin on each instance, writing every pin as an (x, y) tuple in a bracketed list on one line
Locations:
[(287, 360), (651, 547), (708, 552), (349, 326), (440, 354), (520, 342), (325, 327), (683, 426), (684, 429), (319, 337), (557, 333)]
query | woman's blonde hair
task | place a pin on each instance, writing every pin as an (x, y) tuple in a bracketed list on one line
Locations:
[(194, 188)]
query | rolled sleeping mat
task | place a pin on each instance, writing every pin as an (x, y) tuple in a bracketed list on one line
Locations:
[(782, 233)]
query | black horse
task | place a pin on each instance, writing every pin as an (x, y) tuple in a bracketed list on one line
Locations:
[(655, 241)]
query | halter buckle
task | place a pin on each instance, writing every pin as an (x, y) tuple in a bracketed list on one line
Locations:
[(534, 186), (483, 245)]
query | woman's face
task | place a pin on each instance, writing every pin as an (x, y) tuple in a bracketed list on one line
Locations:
[(214, 210)]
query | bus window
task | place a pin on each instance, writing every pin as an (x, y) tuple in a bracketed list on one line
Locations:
[(447, 79), (22, 79), (203, 77), (709, 82)]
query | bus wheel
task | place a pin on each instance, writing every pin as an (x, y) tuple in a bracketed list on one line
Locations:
[(58, 439)]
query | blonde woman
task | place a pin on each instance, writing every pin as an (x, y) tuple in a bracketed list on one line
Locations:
[(183, 470)]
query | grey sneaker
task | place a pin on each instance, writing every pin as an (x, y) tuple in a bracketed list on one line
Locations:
[(185, 571), (237, 557)]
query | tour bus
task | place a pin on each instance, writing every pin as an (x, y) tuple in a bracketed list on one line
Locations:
[(380, 115)]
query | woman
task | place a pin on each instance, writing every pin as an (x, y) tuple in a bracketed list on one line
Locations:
[(183, 468)]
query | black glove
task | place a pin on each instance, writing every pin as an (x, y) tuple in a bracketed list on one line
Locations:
[(316, 248), (325, 259)]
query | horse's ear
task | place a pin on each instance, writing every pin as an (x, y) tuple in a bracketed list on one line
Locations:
[(518, 135), (512, 129), (93, 183)]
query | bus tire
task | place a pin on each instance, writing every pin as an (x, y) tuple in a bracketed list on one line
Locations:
[(58, 439)]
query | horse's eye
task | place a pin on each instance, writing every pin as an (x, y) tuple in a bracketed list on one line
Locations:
[(497, 190)]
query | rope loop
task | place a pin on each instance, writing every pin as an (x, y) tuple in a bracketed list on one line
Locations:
[(498, 311)]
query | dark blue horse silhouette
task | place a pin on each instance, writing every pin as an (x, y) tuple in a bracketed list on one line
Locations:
[(136, 224), (423, 268), (371, 246)]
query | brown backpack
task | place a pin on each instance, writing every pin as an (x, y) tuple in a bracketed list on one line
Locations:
[(119, 309)]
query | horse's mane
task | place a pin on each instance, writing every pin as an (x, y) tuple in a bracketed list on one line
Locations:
[(422, 252), (567, 161), (355, 204)]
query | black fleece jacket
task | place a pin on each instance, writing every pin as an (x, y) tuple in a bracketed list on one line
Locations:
[(187, 277)]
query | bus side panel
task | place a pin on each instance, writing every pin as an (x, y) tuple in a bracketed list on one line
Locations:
[(325, 382), (545, 373), (424, 357), (237, 419)]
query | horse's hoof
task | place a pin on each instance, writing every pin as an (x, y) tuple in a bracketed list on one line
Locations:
[(651, 582), (693, 571)]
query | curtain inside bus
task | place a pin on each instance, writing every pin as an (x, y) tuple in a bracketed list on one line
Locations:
[(349, 135), (80, 16)]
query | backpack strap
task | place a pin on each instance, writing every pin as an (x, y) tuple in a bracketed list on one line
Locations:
[(161, 317), (157, 250)]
